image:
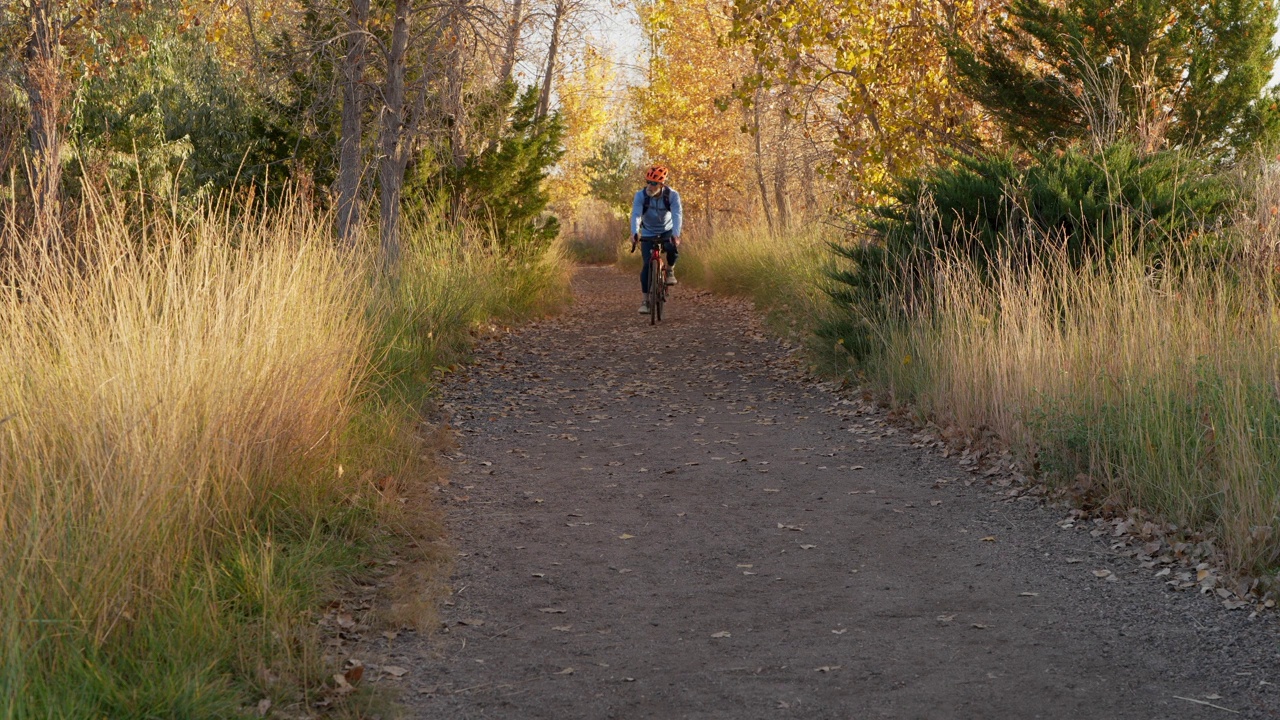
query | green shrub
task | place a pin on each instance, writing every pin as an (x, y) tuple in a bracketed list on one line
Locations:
[(992, 210)]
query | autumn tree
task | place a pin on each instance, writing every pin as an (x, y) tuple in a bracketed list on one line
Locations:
[(872, 76), (677, 113), (585, 109)]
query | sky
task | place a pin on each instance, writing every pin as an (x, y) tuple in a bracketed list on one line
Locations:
[(619, 26)]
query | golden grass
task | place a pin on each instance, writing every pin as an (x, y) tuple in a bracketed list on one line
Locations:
[(175, 419), (783, 275), (153, 400), (1161, 388), (1164, 389)]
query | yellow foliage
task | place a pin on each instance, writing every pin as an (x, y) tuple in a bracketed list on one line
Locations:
[(875, 72), (680, 122), (585, 110)]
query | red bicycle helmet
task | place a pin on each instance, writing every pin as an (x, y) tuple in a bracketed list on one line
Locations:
[(657, 173)]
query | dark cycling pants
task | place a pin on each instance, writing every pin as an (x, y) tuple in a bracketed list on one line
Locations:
[(646, 247)]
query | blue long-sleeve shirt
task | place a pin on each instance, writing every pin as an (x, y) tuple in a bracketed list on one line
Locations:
[(660, 218)]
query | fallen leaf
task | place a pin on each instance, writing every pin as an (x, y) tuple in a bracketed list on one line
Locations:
[(341, 686), (566, 671), (745, 565), (1028, 594), (989, 538), (539, 575), (1074, 561), (394, 670), (562, 628), (980, 626), (772, 490), (721, 634), (625, 536), (946, 618), (827, 668), (473, 622), (390, 635), (551, 610), (808, 547), (857, 467), (1101, 573), (263, 706), (841, 631), (935, 503), (354, 674)]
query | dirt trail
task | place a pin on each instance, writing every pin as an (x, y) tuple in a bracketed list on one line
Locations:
[(671, 522)]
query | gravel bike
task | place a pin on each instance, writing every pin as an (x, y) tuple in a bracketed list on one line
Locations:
[(657, 283), (656, 296)]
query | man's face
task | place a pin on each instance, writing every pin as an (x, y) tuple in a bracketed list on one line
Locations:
[(652, 188)]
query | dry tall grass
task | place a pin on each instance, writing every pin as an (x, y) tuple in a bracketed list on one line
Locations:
[(1162, 388), (782, 274), (173, 418), (152, 403), (594, 233)]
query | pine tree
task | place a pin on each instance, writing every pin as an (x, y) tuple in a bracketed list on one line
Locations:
[(504, 184), (1190, 72)]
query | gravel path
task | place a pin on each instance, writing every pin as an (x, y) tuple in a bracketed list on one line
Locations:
[(673, 522)]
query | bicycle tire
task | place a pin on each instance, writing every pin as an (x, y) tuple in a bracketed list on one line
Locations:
[(654, 284), (662, 298)]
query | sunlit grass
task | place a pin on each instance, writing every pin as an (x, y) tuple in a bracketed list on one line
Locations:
[(783, 275), (1160, 388), (177, 415), (594, 234)]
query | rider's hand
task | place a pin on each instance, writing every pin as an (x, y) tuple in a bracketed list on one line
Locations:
[(635, 238), (676, 240)]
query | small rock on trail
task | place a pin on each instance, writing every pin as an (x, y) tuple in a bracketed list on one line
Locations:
[(671, 522)]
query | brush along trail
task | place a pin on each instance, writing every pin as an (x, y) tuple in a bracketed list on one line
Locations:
[(674, 522)]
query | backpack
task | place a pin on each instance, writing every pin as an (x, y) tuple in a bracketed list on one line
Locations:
[(666, 200)]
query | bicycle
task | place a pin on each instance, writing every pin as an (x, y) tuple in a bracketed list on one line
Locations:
[(656, 296)]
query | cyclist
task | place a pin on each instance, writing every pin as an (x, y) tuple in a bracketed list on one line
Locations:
[(656, 216)]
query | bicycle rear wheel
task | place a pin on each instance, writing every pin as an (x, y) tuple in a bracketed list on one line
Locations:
[(662, 297)]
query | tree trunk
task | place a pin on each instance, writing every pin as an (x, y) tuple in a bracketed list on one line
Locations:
[(454, 86), (780, 159), (544, 101), (513, 40), (806, 179), (45, 91), (394, 147), (709, 212), (350, 160), (759, 163)]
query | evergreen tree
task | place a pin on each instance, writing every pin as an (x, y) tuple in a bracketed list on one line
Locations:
[(1194, 71), (503, 183)]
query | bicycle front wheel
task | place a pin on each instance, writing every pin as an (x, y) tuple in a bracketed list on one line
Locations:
[(655, 290)]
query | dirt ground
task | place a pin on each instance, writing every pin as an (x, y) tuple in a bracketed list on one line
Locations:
[(674, 522)]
